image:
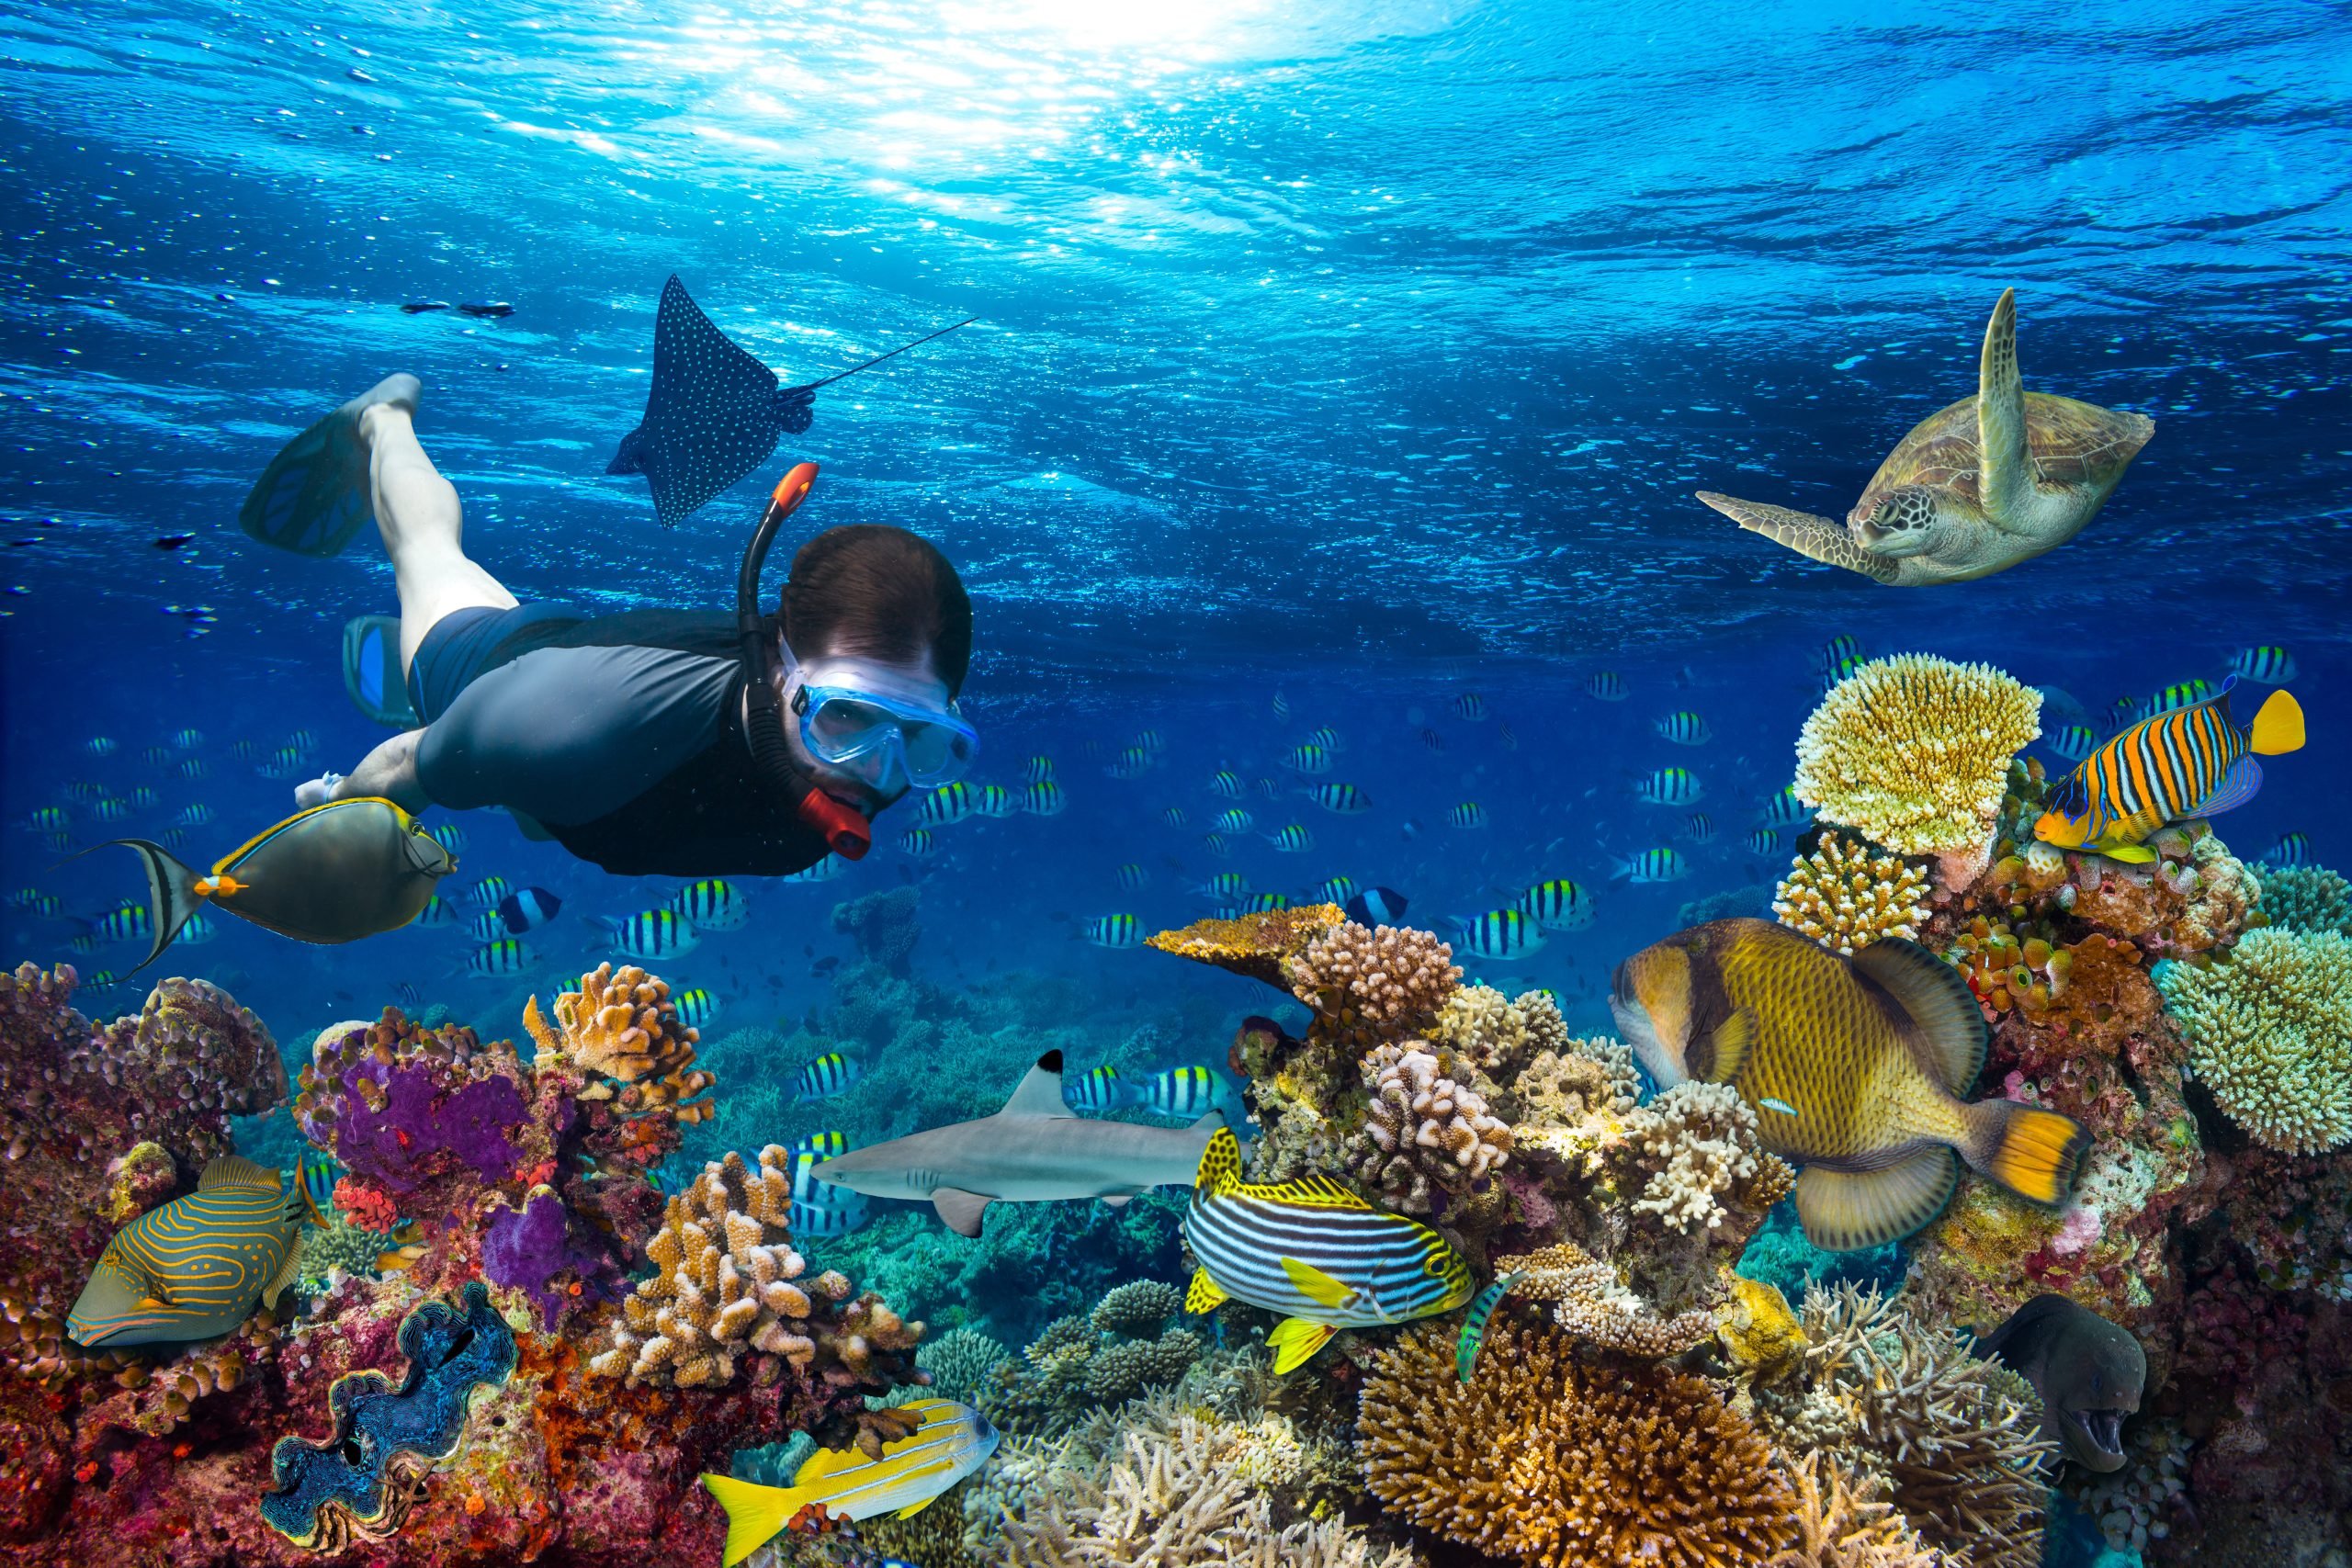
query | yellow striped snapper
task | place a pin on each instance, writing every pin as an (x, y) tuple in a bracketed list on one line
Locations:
[(1043, 798), (1556, 905), (282, 763), (1291, 840), (651, 935), (835, 1072), (1314, 1251), (1661, 865), (713, 904), (1684, 728), (1502, 935), (195, 1267), (1670, 786), (1116, 931), (951, 1441), (1339, 799)]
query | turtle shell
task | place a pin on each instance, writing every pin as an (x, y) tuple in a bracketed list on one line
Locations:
[(2074, 444)]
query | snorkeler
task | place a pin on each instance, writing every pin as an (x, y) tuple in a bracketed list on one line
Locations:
[(650, 742)]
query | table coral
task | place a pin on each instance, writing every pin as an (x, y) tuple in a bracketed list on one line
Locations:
[(1913, 751), (1257, 946), (1421, 1127), (1845, 898), (2270, 1034), (1546, 1460)]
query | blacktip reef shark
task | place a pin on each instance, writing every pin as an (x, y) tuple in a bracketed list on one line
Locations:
[(1035, 1150)]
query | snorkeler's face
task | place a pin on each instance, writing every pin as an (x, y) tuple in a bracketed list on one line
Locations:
[(869, 785)]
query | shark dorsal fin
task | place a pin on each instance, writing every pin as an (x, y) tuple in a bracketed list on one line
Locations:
[(1040, 1093)]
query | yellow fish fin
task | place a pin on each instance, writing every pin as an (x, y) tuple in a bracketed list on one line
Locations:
[(1206, 1293), (2130, 854), (1316, 1285), (754, 1513), (1294, 1339), (1220, 1170), (2034, 1153), (1312, 1192), (154, 1302), (1728, 1046), (825, 1462), (911, 1509), (1844, 1210), (235, 1170), (1934, 1009), (2278, 727), (287, 1272)]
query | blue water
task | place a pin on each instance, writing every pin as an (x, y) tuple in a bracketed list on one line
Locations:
[(1364, 353)]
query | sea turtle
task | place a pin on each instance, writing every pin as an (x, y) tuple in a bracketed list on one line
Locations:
[(1974, 489)]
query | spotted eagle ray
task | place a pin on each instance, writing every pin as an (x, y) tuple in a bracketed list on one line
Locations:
[(713, 412)]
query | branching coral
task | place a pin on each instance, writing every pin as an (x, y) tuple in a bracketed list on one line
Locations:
[(621, 1026), (1501, 1037), (1846, 897), (1423, 1128), (1914, 753), (1619, 1464), (2306, 898), (961, 1362), (1382, 976), (1079, 1364), (2270, 1033), (1139, 1309), (1842, 1523), (1703, 1139), (1594, 1305), (1581, 1080)]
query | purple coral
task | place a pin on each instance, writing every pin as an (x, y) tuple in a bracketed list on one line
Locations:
[(395, 1144), (525, 1251)]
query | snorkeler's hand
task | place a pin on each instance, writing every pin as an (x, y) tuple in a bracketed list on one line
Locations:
[(317, 792)]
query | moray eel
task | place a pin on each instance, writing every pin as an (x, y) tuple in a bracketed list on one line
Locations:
[(2088, 1371)]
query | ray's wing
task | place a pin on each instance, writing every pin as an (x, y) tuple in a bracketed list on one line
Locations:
[(710, 416)]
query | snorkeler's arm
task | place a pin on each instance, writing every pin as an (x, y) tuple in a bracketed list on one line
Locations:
[(388, 773), (565, 735)]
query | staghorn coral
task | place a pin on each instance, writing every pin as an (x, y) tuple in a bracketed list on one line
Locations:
[(1913, 751), (1423, 1128), (2305, 898), (621, 1029), (1607, 1464), (1846, 897), (1703, 1139), (726, 1296), (1841, 1523), (1501, 1037), (1593, 1304), (2270, 1034)]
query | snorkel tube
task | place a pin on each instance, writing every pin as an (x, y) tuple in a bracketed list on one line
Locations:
[(848, 833)]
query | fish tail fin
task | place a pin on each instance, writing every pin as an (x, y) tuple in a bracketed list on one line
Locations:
[(2278, 727), (172, 898), (1294, 1339), (2034, 1153), (755, 1513)]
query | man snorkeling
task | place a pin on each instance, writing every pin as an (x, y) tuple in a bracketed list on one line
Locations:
[(650, 742)]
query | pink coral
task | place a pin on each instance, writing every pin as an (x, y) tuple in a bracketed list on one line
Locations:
[(1382, 975)]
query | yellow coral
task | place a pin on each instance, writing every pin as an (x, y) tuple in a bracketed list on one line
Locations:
[(621, 1025), (1842, 1523), (1254, 945), (1846, 897), (1914, 753)]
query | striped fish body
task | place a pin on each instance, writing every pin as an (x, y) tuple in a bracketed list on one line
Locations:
[(130, 923), (1281, 706), (143, 798), (2291, 849), (1470, 707), (2075, 742), (828, 1076), (2169, 767), (1040, 769), (1473, 1324), (1226, 783), (1215, 843), (1785, 810), (951, 1441), (2270, 666), (1118, 933), (1133, 878), (1293, 840), (1339, 799), (695, 1007), (1763, 841), (505, 956), (837, 1216), (1043, 798), (1699, 827), (1097, 1089), (1684, 728), (947, 805), (490, 890), (1186, 1093), (1307, 759), (195, 1267), (1313, 1251), (1661, 865), (1328, 739), (654, 934), (824, 1145), (1671, 786), (450, 837), (825, 870), (1225, 884), (1502, 935), (1173, 817), (713, 904), (438, 911), (1264, 903), (1469, 814), (2180, 694), (995, 801), (488, 926), (1334, 890), (1234, 821), (1607, 686)]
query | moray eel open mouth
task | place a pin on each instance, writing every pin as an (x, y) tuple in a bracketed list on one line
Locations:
[(2102, 1430)]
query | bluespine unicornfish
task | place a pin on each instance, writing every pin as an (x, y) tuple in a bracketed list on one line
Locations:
[(1474, 1325), (828, 1076), (1376, 907), (2089, 1372), (1861, 1062), (713, 904), (1315, 1252), (333, 874), (1035, 1150), (949, 1442), (2188, 762), (197, 1267), (713, 412)]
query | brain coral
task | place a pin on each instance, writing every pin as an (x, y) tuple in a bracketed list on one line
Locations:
[(2270, 1033), (1846, 897), (1546, 1460), (1914, 753)]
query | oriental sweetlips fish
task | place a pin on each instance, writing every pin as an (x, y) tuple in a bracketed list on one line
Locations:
[(950, 1441), (2190, 762), (713, 412), (1313, 1250), (1856, 1067), (195, 1268)]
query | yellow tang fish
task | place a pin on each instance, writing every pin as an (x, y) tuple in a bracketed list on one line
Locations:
[(195, 1267), (1855, 1067), (2191, 762), (951, 1441)]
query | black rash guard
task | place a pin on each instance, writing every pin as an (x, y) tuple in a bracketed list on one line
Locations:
[(623, 736)]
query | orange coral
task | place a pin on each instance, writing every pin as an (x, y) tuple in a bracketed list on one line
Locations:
[(621, 1025), (1548, 1461), (1255, 945)]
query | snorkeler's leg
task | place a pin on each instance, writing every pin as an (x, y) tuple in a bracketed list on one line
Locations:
[(423, 525), (388, 773)]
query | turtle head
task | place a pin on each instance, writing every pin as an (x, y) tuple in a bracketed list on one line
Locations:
[(1902, 522)]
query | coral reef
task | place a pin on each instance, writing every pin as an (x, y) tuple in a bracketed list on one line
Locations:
[(621, 1028), (1913, 751), (1375, 978), (2270, 1034), (1422, 1127), (1842, 1523), (1705, 1162), (961, 1362), (884, 926), (1845, 898), (2305, 898), (2133, 1506), (1625, 1464), (1501, 1037), (1125, 1345)]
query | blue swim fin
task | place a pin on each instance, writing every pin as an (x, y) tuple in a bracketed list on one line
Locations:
[(313, 496), (371, 672)]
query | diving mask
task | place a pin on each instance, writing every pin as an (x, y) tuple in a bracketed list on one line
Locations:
[(853, 720)]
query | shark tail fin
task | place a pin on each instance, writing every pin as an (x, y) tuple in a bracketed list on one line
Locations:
[(1220, 1171)]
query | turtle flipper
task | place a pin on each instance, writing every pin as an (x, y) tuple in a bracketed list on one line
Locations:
[(2005, 477), (1819, 537)]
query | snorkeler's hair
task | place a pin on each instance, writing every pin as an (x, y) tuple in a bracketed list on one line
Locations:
[(874, 592)]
